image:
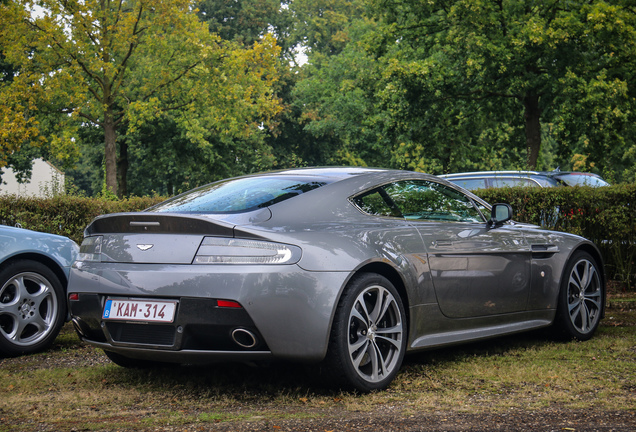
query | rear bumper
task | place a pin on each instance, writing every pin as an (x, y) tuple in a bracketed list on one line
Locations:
[(286, 311), (186, 356)]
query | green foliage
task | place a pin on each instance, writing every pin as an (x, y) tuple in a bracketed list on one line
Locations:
[(119, 68), (320, 26), (244, 21), (184, 92), (335, 98), (64, 215), (466, 68), (471, 85), (606, 216)]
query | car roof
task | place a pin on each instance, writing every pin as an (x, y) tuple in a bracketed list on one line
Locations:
[(337, 182), (349, 175), (329, 171), (340, 184), (515, 173), (354, 180), (333, 173), (352, 175)]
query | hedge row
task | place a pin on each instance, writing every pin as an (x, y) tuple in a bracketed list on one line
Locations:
[(606, 216), (64, 215)]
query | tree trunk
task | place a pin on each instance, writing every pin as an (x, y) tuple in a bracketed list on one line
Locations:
[(110, 152), (122, 170), (533, 129)]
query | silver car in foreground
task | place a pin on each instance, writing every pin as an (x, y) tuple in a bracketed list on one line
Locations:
[(34, 268), (351, 267)]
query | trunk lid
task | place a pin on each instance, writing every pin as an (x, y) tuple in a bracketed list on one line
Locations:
[(154, 238)]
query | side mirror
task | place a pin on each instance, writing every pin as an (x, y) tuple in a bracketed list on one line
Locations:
[(500, 214)]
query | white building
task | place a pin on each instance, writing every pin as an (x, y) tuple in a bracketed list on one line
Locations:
[(46, 181)]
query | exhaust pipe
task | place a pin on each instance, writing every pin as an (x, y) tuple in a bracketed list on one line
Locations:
[(244, 338), (79, 326)]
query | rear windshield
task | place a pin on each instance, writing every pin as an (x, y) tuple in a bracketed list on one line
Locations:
[(239, 195), (581, 180)]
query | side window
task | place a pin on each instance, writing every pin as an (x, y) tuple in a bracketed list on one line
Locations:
[(374, 203), (424, 200), (471, 184), (419, 200), (514, 182)]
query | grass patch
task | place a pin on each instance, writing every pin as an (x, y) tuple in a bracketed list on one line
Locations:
[(74, 386)]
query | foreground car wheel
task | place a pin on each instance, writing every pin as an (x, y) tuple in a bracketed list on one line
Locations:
[(32, 307), (580, 299), (368, 338)]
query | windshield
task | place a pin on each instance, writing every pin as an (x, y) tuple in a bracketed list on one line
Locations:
[(239, 195), (581, 179)]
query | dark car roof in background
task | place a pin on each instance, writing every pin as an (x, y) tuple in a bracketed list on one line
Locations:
[(512, 172), (555, 177)]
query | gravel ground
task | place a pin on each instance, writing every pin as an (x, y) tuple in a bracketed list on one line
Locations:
[(514, 421), (517, 421)]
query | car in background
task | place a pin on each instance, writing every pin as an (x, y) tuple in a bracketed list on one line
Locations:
[(34, 269), (497, 179), (351, 267)]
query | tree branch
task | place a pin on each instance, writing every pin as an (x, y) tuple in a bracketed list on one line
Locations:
[(118, 78), (90, 118), (171, 81), (69, 53)]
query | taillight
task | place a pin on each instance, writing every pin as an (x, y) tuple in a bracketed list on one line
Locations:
[(91, 249), (219, 250), (228, 304)]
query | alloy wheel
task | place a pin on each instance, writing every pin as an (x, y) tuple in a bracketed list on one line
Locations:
[(375, 334), (28, 308), (584, 296)]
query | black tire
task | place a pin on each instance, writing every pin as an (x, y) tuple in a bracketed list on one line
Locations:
[(133, 363), (368, 336), (581, 298), (32, 307)]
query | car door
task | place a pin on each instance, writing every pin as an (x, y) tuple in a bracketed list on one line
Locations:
[(476, 270)]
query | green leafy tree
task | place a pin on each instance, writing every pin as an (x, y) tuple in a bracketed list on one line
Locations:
[(505, 67), (320, 26), (245, 21), (329, 99), (19, 128), (359, 106), (335, 96), (120, 64), (20, 137)]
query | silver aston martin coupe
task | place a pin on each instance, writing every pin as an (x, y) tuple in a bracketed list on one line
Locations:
[(349, 267)]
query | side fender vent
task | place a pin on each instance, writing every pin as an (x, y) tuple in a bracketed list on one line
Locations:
[(543, 251)]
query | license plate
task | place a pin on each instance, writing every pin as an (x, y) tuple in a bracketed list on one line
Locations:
[(140, 310)]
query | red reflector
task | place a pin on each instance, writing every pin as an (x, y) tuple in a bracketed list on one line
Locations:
[(73, 296), (227, 304)]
